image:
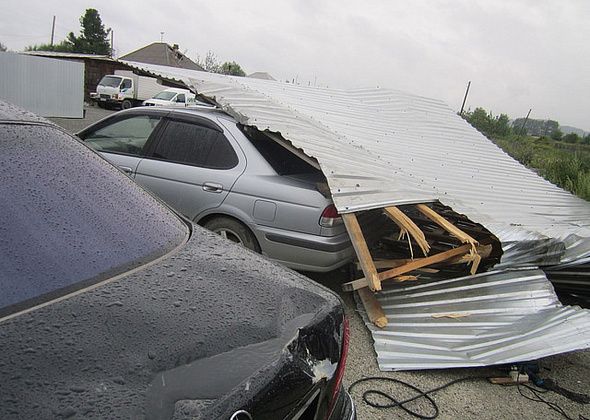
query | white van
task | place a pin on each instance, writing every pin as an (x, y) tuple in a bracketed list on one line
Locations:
[(172, 97)]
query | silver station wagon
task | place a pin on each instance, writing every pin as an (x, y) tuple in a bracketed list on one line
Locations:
[(232, 179)]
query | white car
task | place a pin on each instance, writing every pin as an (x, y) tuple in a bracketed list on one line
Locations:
[(172, 97)]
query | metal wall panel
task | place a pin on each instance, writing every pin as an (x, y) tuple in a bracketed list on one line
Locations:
[(379, 147), (45, 86)]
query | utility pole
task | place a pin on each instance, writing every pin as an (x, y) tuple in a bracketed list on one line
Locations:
[(52, 31), (161, 36), (112, 45), (525, 120), (465, 98)]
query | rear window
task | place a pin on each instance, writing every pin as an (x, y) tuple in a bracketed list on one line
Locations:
[(282, 160), (69, 219)]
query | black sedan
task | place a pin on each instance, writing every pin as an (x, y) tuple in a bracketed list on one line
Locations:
[(113, 306)]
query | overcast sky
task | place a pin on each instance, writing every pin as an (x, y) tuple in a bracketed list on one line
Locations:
[(517, 54)]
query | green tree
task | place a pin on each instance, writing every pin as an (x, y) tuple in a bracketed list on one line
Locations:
[(486, 123), (557, 134), (571, 138), (93, 38), (63, 46), (586, 140), (502, 125), (479, 119), (233, 69), (3, 47)]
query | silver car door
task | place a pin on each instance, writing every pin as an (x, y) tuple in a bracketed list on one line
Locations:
[(192, 167), (122, 143)]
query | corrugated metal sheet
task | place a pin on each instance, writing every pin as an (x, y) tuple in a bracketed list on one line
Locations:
[(503, 317), (45, 86), (58, 54), (379, 147)]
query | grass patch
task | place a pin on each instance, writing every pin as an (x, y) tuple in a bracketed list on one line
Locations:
[(564, 164)]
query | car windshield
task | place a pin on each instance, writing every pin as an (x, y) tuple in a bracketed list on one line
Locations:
[(165, 95), (68, 218), (110, 81)]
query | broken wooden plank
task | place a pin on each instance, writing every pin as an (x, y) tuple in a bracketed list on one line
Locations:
[(353, 285), (357, 284), (406, 225), (450, 315), (423, 262), (445, 224), (484, 251), (362, 250), (373, 307), (475, 258)]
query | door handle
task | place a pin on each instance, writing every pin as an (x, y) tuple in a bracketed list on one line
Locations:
[(126, 169), (212, 187)]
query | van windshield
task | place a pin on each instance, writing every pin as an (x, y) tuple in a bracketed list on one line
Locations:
[(110, 81), (165, 95)]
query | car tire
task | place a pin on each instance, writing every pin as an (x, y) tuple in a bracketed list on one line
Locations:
[(126, 104), (233, 230)]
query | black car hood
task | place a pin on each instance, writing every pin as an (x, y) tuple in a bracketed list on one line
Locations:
[(200, 327)]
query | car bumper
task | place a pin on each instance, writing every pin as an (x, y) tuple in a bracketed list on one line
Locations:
[(305, 252), (344, 408)]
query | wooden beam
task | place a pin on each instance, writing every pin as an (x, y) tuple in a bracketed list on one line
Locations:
[(357, 284), (474, 258), (362, 250), (381, 264), (361, 283), (373, 307), (406, 225), (423, 262), (445, 224)]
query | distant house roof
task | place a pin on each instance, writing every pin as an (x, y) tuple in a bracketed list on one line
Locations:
[(160, 53), (261, 75), (67, 55)]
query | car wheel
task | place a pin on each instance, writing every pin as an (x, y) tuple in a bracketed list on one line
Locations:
[(234, 231), (126, 104)]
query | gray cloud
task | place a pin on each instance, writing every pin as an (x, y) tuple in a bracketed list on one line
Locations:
[(518, 54)]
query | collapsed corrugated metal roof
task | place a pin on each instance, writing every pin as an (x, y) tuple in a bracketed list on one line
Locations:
[(490, 318), (381, 147)]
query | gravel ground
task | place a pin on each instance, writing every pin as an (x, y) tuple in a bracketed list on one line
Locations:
[(466, 400)]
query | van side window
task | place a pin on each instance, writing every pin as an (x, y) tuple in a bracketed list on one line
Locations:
[(196, 145), (126, 136), (180, 98), (126, 84)]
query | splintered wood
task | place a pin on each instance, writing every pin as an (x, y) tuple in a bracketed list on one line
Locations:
[(408, 227), (399, 270), (454, 231)]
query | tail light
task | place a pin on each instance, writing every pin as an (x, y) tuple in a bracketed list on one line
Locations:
[(330, 217), (341, 365)]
